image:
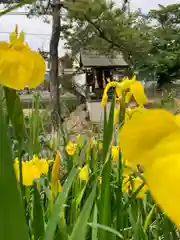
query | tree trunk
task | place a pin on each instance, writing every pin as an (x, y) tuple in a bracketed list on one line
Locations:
[(54, 82)]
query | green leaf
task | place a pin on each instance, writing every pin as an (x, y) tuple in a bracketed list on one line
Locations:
[(94, 230), (12, 219), (122, 111), (133, 196), (120, 223), (149, 218), (105, 201), (62, 232), (35, 125), (135, 217), (106, 228), (80, 228), (105, 198), (38, 217), (54, 218), (108, 129), (15, 112), (105, 126), (80, 196)]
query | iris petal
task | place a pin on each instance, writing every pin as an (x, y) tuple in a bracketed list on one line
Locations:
[(143, 131)]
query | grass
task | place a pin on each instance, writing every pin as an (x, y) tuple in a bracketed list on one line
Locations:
[(96, 209)]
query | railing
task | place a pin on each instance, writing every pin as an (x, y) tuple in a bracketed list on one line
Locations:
[(96, 95), (81, 89)]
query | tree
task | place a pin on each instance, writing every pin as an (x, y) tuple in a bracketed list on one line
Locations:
[(150, 43), (164, 54), (102, 26), (55, 6), (54, 63), (93, 24)]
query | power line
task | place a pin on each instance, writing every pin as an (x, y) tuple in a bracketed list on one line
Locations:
[(24, 14), (17, 13), (33, 34), (48, 13)]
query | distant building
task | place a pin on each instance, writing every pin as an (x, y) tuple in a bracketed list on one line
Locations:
[(65, 65), (95, 70), (97, 60)]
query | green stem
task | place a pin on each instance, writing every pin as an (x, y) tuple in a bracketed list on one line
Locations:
[(20, 155), (119, 221)]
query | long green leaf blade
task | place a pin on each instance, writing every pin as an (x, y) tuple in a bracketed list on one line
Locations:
[(38, 218), (79, 230), (108, 130), (53, 220), (105, 198), (105, 208), (94, 229), (15, 112), (106, 228), (12, 219)]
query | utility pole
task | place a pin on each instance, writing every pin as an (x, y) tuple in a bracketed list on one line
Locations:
[(129, 7), (54, 64)]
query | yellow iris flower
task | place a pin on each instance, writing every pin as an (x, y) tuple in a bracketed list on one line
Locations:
[(71, 148), (84, 173), (152, 139), (104, 100), (100, 180), (140, 135), (131, 112), (55, 175), (100, 146), (56, 169), (41, 164), (19, 65), (116, 113), (131, 87), (31, 170), (132, 184), (177, 119), (115, 153)]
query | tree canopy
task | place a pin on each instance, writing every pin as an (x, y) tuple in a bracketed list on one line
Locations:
[(149, 42), (102, 26), (164, 56)]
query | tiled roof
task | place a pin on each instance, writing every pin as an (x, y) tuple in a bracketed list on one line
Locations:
[(92, 59)]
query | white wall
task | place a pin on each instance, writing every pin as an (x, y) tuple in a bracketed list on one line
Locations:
[(80, 79), (47, 65), (96, 111)]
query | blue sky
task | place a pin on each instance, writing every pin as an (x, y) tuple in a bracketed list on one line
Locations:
[(37, 26)]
